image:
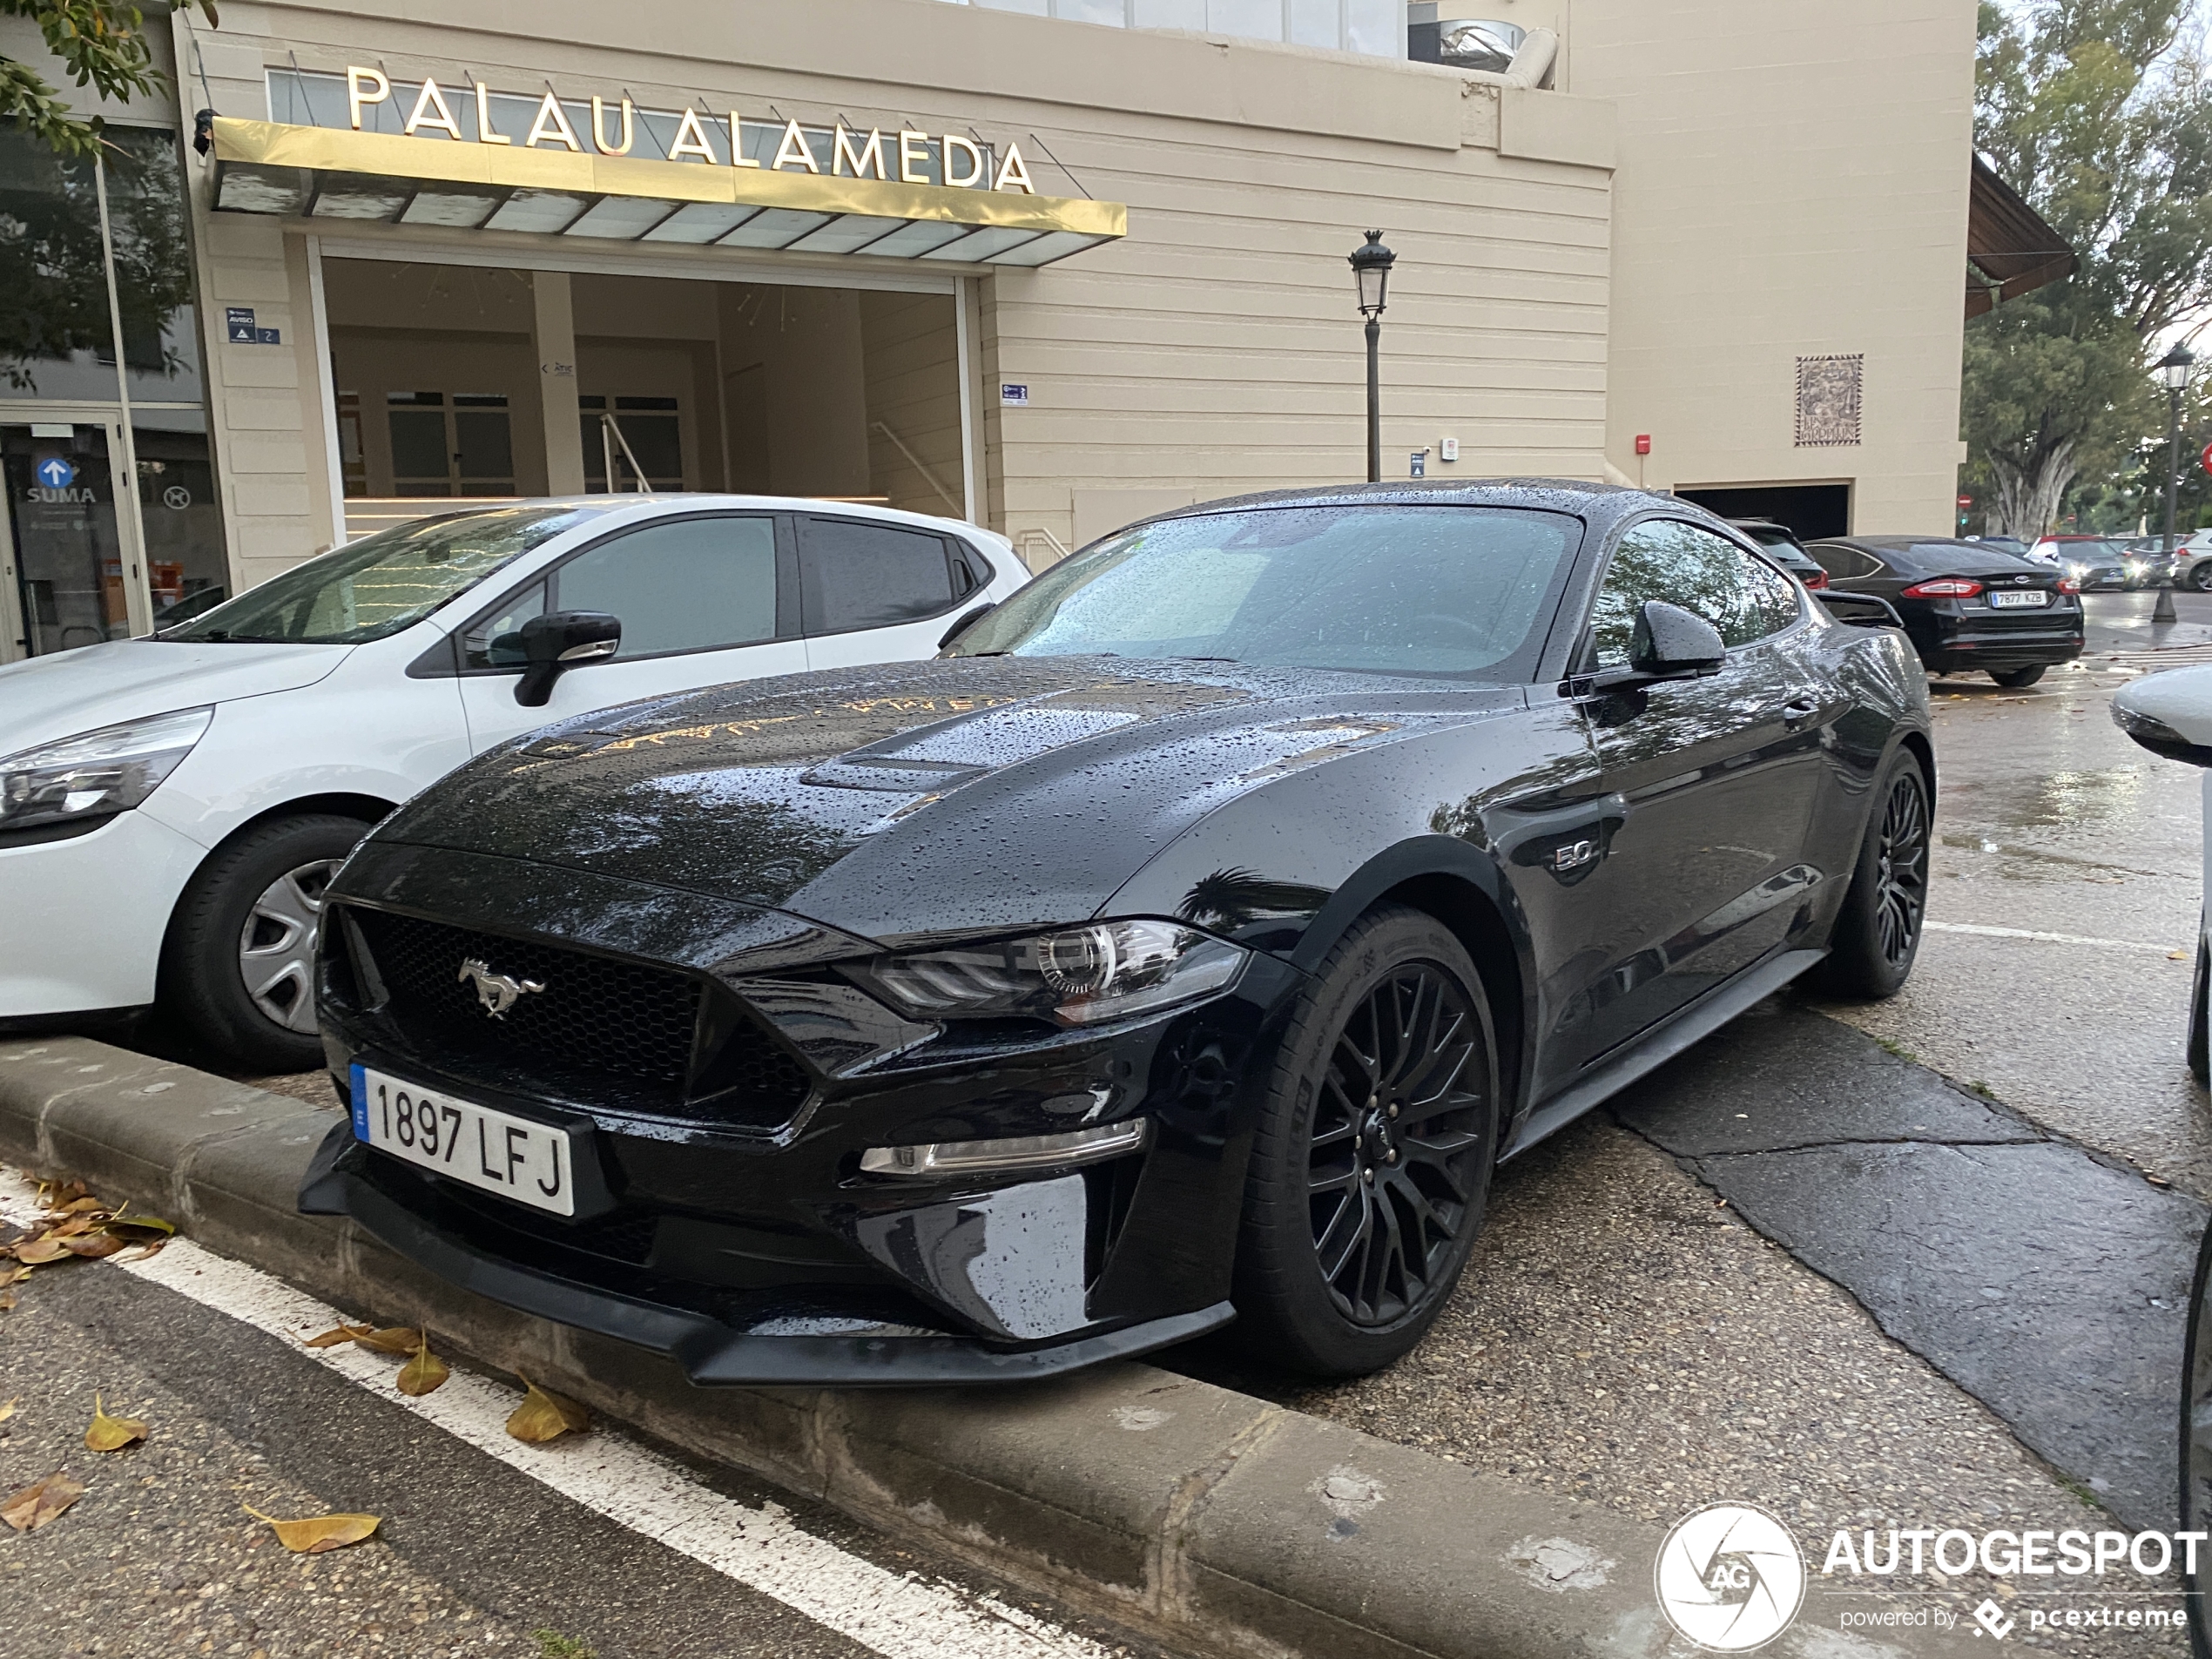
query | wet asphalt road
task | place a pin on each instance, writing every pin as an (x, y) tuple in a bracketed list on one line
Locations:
[(474, 1558)]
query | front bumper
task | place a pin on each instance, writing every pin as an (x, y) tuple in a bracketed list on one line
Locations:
[(82, 919), (712, 1229), (766, 1350)]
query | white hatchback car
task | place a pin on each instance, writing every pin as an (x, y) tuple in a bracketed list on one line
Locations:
[(2170, 714), (172, 807)]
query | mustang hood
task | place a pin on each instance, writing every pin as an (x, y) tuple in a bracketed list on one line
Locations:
[(915, 797), (51, 697)]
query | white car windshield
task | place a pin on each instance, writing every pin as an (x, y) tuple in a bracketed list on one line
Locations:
[(382, 584)]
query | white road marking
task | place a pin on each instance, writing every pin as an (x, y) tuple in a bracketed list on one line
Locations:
[(2047, 938), (901, 1617)]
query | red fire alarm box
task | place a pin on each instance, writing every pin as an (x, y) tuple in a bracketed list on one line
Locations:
[(1643, 443)]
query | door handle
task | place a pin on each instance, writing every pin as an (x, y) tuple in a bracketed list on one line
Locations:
[(1798, 711)]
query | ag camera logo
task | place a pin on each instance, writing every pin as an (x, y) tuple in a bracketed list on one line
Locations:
[(1730, 1577)]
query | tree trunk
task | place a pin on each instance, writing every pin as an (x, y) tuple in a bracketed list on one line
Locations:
[(2028, 495)]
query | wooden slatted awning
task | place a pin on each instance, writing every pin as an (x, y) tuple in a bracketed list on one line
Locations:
[(2010, 248)]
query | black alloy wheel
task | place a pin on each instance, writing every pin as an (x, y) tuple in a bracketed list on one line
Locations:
[(1370, 1169), (1392, 1133), (2200, 576), (2017, 678), (1901, 866), (1877, 930)]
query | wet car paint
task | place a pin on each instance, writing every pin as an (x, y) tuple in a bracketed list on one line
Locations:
[(1610, 859)]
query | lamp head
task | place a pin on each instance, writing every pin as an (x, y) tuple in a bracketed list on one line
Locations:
[(1371, 266), (2174, 369)]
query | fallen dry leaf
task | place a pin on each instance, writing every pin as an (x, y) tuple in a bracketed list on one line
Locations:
[(332, 1338), (139, 1229), (7, 1301), (318, 1533), (424, 1372), (78, 1207), (545, 1416), (94, 1245), (38, 1503), (112, 1433), (399, 1338), (41, 1251), (8, 1409)]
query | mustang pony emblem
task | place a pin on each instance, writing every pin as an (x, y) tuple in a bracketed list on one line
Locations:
[(497, 992)]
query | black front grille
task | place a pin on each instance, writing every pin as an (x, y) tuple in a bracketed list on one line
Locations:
[(595, 1013), (616, 1034)]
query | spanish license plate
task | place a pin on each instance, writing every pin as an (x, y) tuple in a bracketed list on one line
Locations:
[(530, 1163), (2027, 599)]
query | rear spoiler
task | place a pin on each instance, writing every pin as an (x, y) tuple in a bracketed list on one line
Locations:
[(1859, 610)]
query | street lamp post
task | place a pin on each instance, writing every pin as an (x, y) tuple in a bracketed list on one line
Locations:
[(2173, 370), (1371, 266)]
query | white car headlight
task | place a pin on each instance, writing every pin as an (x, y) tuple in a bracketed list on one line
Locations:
[(96, 773)]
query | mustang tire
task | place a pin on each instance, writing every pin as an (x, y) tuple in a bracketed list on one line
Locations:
[(1877, 932), (250, 910), (1371, 1169)]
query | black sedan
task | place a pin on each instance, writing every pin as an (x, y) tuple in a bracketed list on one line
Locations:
[(1967, 606), (1188, 943)]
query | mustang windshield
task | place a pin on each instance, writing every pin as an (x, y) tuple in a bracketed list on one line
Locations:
[(1451, 591), (382, 584)]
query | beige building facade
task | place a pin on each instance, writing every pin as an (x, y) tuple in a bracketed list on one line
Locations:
[(1088, 273)]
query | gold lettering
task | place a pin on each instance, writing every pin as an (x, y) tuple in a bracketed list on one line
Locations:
[(552, 126), (867, 157), (363, 88), (1013, 175), (795, 150), (947, 144), (431, 111), (484, 133), (913, 160), (599, 127), (737, 157), (691, 140)]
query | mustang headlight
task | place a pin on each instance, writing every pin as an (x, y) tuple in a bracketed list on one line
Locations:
[(1074, 975), (96, 772)]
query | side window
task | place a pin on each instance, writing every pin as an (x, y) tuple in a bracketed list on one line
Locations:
[(857, 575), (1774, 599), (1847, 564), (496, 641), (694, 584), (1662, 559)]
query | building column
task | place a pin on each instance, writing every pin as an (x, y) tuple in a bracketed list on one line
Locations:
[(553, 337)]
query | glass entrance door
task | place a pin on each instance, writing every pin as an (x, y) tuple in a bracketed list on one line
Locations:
[(69, 579)]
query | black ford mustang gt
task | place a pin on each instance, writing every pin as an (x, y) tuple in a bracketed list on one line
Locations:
[(1188, 943)]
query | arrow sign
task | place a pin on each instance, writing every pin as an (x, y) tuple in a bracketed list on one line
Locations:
[(56, 474)]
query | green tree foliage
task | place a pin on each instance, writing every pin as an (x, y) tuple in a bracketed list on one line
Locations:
[(102, 44), (2099, 113)]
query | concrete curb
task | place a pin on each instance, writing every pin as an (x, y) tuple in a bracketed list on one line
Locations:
[(1210, 1520)]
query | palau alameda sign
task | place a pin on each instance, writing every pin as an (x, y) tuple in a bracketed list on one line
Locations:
[(362, 146)]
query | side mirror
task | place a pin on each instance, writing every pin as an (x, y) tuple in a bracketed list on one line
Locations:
[(559, 641), (1669, 643)]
